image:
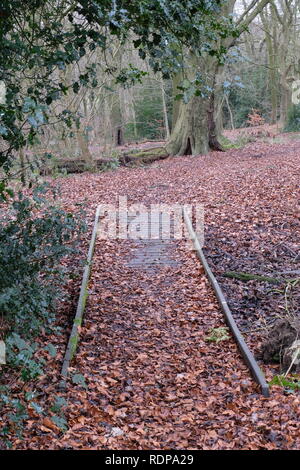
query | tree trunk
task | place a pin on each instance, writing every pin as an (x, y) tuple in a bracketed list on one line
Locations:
[(165, 111), (230, 112), (285, 102), (119, 136), (213, 141), (270, 23), (190, 134), (22, 164), (116, 117), (177, 79), (195, 130), (84, 147)]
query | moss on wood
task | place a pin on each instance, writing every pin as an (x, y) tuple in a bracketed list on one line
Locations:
[(250, 277), (144, 156), (134, 156)]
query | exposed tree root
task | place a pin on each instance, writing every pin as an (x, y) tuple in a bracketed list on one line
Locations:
[(279, 346), (144, 156)]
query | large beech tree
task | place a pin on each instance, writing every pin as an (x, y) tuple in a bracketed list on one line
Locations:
[(280, 25), (195, 127)]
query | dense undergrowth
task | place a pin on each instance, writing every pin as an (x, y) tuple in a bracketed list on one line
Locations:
[(36, 236)]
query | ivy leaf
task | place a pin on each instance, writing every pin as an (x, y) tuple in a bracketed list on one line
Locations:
[(32, 121), (39, 116), (51, 350), (78, 379), (60, 422), (3, 130), (36, 407), (59, 403)]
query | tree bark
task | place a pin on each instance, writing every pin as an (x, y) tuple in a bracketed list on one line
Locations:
[(213, 140), (285, 102), (177, 79), (195, 130), (165, 111), (84, 147), (190, 134)]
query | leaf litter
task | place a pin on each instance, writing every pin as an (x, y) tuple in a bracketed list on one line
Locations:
[(152, 380)]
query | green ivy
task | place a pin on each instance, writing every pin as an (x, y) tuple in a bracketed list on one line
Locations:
[(35, 236)]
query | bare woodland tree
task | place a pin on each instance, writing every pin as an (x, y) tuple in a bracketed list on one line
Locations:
[(281, 30), (195, 130)]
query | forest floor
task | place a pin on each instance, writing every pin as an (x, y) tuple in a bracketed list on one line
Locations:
[(152, 378)]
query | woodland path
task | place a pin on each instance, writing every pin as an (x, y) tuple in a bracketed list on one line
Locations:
[(153, 377), (152, 380)]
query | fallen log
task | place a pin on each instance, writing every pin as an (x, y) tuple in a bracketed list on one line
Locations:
[(126, 158), (74, 166), (143, 156)]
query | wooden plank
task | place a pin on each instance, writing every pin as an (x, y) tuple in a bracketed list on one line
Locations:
[(74, 336)]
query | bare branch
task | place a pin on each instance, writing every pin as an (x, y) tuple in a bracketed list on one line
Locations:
[(246, 18)]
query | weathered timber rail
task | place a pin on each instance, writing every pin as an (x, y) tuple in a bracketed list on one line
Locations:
[(245, 351), (74, 336)]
